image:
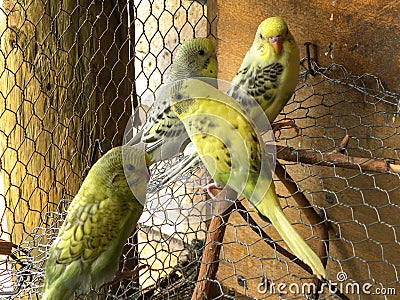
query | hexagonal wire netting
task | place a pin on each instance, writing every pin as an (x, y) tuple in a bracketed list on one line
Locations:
[(69, 73)]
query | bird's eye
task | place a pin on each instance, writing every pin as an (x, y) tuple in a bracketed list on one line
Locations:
[(261, 36), (178, 96), (130, 168), (201, 52)]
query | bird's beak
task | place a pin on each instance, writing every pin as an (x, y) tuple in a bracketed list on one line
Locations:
[(276, 43)]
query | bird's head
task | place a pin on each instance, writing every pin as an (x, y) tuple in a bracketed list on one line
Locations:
[(124, 170), (136, 172), (195, 58), (270, 36)]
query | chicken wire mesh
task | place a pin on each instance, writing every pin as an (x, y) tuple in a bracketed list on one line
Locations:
[(68, 74)]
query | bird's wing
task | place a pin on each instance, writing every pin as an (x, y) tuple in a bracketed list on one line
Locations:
[(90, 227), (259, 82)]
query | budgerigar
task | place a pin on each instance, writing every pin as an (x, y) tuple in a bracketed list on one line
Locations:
[(100, 218), (268, 74), (234, 154), (270, 69), (163, 134)]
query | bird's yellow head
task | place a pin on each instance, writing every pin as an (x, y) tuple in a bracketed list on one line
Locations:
[(195, 58), (271, 34)]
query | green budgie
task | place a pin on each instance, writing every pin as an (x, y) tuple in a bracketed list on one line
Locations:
[(100, 219)]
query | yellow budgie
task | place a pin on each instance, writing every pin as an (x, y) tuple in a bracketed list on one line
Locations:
[(100, 219), (162, 133), (270, 69), (234, 154)]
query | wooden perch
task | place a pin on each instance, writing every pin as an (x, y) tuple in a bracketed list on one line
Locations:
[(335, 158), (210, 262), (5, 247)]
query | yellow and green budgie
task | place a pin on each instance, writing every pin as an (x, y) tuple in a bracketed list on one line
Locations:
[(100, 218), (233, 152), (269, 71)]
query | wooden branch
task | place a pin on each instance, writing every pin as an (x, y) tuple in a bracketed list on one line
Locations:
[(316, 221), (210, 261), (5, 247), (335, 158), (343, 145), (298, 196)]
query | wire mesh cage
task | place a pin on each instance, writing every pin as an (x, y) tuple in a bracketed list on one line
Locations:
[(73, 72)]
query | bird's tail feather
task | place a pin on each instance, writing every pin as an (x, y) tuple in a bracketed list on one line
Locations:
[(295, 242)]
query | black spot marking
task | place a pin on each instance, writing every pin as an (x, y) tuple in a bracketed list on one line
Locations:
[(267, 97), (178, 110)]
